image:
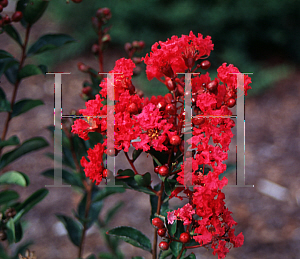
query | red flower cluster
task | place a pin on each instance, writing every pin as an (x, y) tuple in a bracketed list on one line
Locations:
[(148, 124)]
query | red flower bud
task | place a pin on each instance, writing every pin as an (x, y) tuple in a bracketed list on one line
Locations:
[(175, 140), (231, 102), (132, 108), (141, 44), (1, 8), (184, 237), (156, 169), (161, 232), (82, 67), (161, 105), (17, 16), (127, 47), (87, 90), (170, 84), (77, 1), (171, 109), (6, 20), (212, 86), (95, 49), (168, 97), (157, 222), (163, 245), (205, 64), (163, 170), (4, 3)]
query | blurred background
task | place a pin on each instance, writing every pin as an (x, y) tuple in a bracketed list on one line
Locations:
[(259, 37)]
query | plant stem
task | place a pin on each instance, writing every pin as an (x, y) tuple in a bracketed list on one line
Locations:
[(100, 44), (131, 163), (13, 99), (89, 188), (181, 252), (160, 193)]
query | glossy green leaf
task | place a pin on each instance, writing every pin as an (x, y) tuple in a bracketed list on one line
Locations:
[(18, 232), (191, 256), (7, 196), (26, 147), (14, 177), (112, 211), (136, 154), (93, 213), (12, 141), (132, 236), (13, 33), (43, 68), (10, 226), (11, 72), (30, 202), (29, 70), (73, 227), (49, 42), (34, 10), (24, 106), (177, 246), (164, 254), (69, 178), (5, 55), (143, 180), (107, 191), (7, 63)]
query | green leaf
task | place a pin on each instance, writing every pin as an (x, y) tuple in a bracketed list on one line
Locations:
[(28, 146), (34, 10), (173, 228), (11, 72), (18, 232), (107, 191), (5, 55), (29, 70), (7, 63), (170, 186), (73, 227), (10, 225), (7, 196), (137, 257), (164, 254), (94, 211), (30, 202), (13, 33), (24, 106), (49, 42), (69, 178), (113, 211), (136, 154), (12, 141), (143, 180), (177, 246), (91, 257), (132, 236), (14, 177), (43, 68)]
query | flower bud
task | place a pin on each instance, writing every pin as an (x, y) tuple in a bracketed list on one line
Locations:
[(1, 8), (82, 67), (141, 44), (103, 13), (6, 20), (135, 44), (137, 60), (95, 49), (170, 84), (4, 3), (127, 47), (17, 16), (205, 64), (106, 38)]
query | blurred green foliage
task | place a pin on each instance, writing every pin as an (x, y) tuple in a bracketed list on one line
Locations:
[(256, 36)]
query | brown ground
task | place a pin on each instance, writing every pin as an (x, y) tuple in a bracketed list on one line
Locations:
[(270, 226)]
